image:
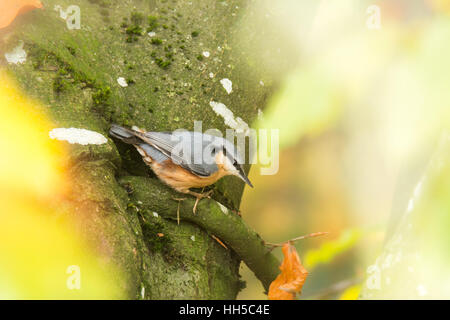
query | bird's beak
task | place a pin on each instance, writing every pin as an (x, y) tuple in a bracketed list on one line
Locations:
[(244, 177)]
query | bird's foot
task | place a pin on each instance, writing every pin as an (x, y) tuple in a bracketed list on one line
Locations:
[(199, 196)]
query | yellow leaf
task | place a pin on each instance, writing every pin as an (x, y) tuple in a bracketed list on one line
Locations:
[(329, 250), (351, 293)]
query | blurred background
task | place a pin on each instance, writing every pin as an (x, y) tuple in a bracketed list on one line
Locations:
[(362, 108)]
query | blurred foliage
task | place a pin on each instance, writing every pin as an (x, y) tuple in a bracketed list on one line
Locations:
[(330, 249), (351, 293), (305, 104), (415, 261), (440, 5), (37, 243), (358, 109)]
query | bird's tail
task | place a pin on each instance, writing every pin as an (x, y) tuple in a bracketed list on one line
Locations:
[(124, 134)]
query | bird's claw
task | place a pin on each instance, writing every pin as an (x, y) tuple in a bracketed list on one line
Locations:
[(207, 194), (200, 196)]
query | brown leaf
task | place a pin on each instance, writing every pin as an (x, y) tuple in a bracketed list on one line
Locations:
[(292, 277)]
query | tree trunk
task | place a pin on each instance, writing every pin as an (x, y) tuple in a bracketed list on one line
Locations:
[(117, 202)]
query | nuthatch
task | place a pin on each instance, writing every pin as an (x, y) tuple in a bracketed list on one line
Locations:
[(165, 153)]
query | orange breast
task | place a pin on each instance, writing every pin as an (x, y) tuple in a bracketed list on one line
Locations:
[(181, 179)]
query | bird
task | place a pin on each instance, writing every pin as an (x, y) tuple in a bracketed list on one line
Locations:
[(185, 159)]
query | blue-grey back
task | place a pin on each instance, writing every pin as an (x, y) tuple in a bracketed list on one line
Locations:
[(194, 151)]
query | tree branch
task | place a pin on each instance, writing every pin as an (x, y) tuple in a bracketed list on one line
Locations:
[(211, 216)]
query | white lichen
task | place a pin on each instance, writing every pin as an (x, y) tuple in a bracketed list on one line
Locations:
[(227, 85), (152, 33), (78, 136), (155, 214), (211, 75), (193, 238), (122, 82), (223, 208), (235, 123), (206, 54), (17, 55)]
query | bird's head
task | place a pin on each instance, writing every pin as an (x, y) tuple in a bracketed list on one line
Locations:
[(229, 158)]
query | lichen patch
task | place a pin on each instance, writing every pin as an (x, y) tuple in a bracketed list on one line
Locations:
[(17, 55), (227, 85), (233, 122), (77, 136)]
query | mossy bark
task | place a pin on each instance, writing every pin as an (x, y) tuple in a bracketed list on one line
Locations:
[(73, 74)]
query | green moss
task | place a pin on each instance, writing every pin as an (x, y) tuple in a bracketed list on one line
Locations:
[(60, 84), (134, 30), (164, 64), (71, 50), (155, 234), (195, 34), (152, 23), (156, 41), (137, 18), (101, 96), (131, 38), (102, 3), (104, 12)]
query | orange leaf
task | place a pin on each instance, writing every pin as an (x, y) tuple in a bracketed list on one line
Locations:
[(292, 277), (10, 9)]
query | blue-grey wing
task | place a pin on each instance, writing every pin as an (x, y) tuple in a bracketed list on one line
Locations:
[(153, 153), (183, 148)]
